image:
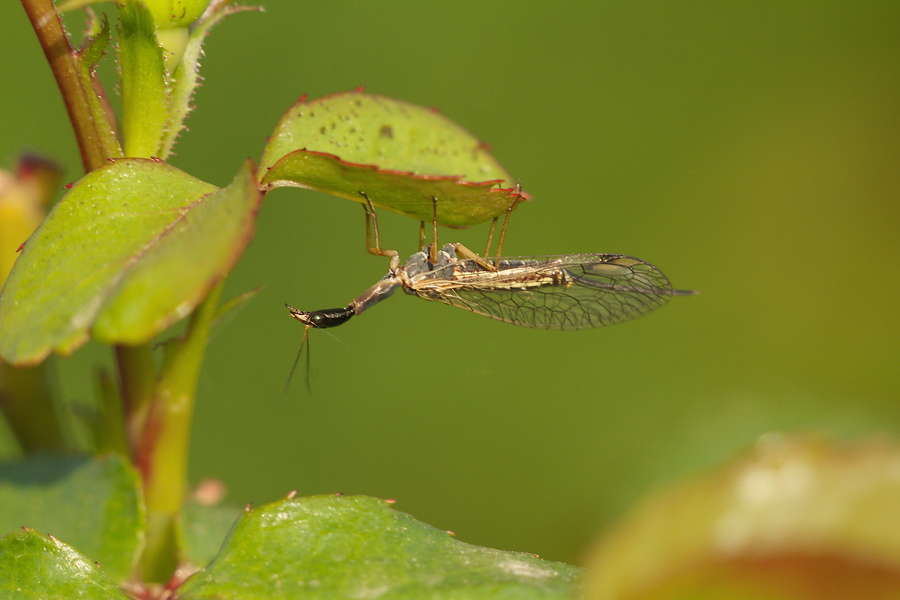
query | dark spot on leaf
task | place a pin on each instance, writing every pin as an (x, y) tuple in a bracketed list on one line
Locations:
[(386, 132), (323, 130)]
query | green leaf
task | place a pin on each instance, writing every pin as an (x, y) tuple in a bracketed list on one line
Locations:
[(90, 54), (93, 504), (400, 154), (203, 530), (71, 5), (37, 567), (145, 99), (94, 47), (175, 13), (795, 518), (132, 248), (357, 547), (163, 287), (186, 75)]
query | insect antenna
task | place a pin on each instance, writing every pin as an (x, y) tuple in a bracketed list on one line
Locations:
[(303, 343), (319, 319)]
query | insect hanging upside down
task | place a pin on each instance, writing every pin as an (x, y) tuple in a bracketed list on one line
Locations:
[(572, 291)]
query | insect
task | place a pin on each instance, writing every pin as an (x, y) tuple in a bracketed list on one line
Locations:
[(573, 291)]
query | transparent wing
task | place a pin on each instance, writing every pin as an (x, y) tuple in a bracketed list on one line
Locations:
[(576, 291)]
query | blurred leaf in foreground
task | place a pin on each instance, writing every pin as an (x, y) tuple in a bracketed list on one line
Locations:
[(796, 518), (24, 198)]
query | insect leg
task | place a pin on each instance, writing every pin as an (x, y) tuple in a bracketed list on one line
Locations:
[(434, 244), (464, 253), (377, 250), (509, 210), (487, 248)]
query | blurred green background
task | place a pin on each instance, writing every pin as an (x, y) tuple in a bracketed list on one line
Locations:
[(750, 150)]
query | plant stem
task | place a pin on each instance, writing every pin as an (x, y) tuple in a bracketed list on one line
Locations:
[(53, 40), (28, 408), (162, 456), (157, 408), (110, 433), (137, 382)]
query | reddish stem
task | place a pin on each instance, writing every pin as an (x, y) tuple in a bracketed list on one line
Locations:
[(48, 27)]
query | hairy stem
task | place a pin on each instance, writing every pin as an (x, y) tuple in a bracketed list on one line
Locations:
[(53, 40)]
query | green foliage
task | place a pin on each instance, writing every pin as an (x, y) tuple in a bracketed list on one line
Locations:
[(204, 528), (90, 54), (36, 567), (161, 286), (135, 246), (401, 155), (175, 13), (118, 257), (95, 505), (340, 547), (138, 245), (185, 71), (143, 76)]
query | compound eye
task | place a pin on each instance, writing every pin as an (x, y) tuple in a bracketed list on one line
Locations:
[(318, 319)]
